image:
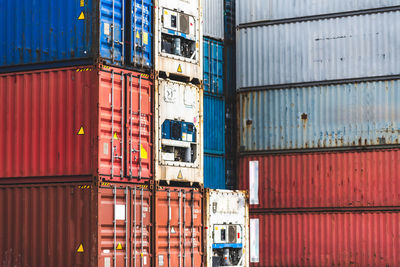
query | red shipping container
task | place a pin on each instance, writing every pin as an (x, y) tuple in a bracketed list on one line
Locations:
[(325, 239), (178, 227), (330, 180), (80, 121), (75, 225)]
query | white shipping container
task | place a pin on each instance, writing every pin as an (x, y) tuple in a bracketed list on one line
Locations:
[(179, 132), (248, 11), (178, 48), (213, 15), (226, 228)]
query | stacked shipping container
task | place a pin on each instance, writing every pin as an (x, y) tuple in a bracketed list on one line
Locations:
[(318, 96)]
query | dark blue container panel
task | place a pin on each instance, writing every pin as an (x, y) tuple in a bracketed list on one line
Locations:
[(214, 125), (213, 66), (141, 33), (214, 171), (49, 32)]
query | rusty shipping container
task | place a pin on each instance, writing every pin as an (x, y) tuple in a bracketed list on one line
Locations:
[(351, 179), (75, 122), (75, 225), (178, 230), (325, 239)]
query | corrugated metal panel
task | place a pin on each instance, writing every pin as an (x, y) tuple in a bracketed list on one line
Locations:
[(213, 18), (348, 115), (229, 20), (314, 180), (214, 125), (45, 225), (256, 10), (58, 122), (213, 66), (330, 49), (54, 31), (325, 239), (178, 227), (214, 171)]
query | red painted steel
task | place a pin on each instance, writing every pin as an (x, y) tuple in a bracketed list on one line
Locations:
[(178, 227), (327, 239), (334, 179), (45, 225), (58, 122)]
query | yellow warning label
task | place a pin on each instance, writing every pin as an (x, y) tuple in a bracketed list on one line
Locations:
[(81, 16), (119, 246), (137, 35), (141, 254), (80, 248), (143, 152), (180, 68), (81, 131), (145, 38), (165, 12), (115, 136), (82, 3), (180, 175)]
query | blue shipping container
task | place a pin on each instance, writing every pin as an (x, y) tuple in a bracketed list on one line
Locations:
[(213, 66), (214, 124), (332, 116), (214, 171), (57, 33)]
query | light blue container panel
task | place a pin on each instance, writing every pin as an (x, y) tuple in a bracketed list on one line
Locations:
[(214, 124), (336, 116), (47, 33), (214, 171), (213, 66)]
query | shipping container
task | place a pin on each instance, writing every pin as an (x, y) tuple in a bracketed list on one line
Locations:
[(214, 124), (267, 10), (79, 121), (48, 34), (179, 132), (319, 117), (178, 45), (75, 225), (213, 66), (226, 222), (178, 231), (325, 239), (353, 179), (214, 171), (229, 20), (213, 17), (318, 50)]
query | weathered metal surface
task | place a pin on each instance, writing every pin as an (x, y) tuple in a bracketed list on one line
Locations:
[(213, 17), (213, 66), (68, 122), (327, 179), (178, 228), (214, 171), (313, 51), (258, 10), (335, 116), (325, 239)]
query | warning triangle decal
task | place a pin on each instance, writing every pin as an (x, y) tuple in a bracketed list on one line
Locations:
[(137, 35), (119, 246), (180, 175), (143, 152), (81, 16), (81, 131), (179, 68), (173, 230), (115, 136), (80, 248)]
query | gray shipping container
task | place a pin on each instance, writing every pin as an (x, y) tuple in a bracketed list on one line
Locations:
[(320, 50), (213, 16), (334, 116), (248, 11)]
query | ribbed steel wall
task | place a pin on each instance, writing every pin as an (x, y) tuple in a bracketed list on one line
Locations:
[(256, 10), (334, 116), (213, 17), (312, 51), (214, 171), (213, 66), (214, 124)]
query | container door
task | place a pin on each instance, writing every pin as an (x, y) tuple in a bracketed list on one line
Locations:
[(141, 33), (111, 116), (213, 66), (178, 227), (138, 127), (112, 25)]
